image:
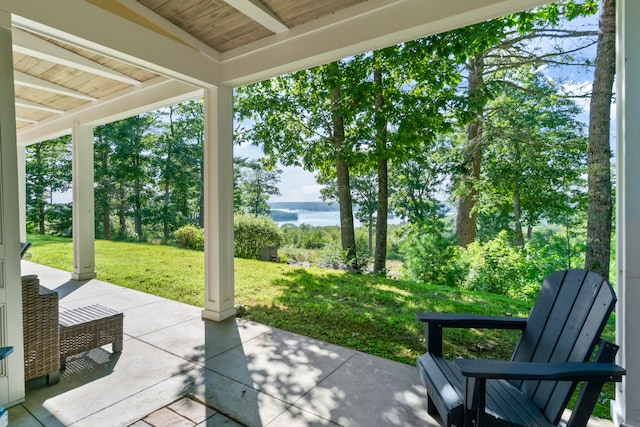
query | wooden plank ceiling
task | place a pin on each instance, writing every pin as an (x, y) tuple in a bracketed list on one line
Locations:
[(52, 77)]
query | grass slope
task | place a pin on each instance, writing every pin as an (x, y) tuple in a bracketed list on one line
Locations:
[(370, 314)]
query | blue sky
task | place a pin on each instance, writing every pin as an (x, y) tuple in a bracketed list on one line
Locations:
[(296, 185)]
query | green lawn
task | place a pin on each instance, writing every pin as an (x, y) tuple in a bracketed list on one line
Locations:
[(370, 314)]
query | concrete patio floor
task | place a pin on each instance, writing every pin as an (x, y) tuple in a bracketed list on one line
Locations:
[(235, 372), (178, 370)]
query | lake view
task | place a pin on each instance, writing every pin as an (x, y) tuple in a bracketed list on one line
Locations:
[(316, 214)]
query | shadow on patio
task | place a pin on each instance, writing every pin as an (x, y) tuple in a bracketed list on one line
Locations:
[(234, 373)]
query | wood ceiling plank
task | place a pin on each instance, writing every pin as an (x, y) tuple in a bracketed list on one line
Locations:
[(25, 104), (32, 114), (214, 22), (297, 12), (23, 79), (29, 44)]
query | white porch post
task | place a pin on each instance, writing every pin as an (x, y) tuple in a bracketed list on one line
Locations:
[(22, 193), (625, 409), (83, 204), (12, 368), (218, 201)]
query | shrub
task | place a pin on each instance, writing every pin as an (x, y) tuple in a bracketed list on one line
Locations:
[(190, 237), (252, 233), (59, 217), (298, 254), (499, 267), (332, 255), (309, 237), (430, 256)]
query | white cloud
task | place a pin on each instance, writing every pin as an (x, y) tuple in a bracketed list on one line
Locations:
[(297, 185)]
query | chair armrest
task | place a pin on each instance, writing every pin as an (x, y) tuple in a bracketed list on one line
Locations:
[(477, 372), (434, 322), (571, 371), (455, 320)]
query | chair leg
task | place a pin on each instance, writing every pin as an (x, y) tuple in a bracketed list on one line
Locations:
[(53, 378), (117, 346), (431, 407)]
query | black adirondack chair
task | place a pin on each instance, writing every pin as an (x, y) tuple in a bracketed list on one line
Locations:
[(555, 352)]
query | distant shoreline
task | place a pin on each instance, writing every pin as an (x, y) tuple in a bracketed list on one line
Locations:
[(305, 206)]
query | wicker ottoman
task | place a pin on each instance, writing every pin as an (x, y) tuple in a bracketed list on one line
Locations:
[(85, 328)]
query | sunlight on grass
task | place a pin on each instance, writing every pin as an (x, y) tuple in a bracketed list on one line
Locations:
[(371, 314)]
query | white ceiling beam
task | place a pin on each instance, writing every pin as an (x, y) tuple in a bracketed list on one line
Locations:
[(148, 96), (23, 79), (30, 45), (90, 27), (366, 26), (25, 120), (23, 103), (171, 28), (259, 13)]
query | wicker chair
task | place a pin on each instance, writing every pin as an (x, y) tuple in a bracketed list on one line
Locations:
[(41, 331)]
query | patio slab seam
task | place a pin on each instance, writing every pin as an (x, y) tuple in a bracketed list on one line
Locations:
[(184, 371), (139, 337), (325, 378), (276, 419)]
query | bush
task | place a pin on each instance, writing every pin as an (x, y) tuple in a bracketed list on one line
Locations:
[(59, 219), (190, 237), (298, 254), (252, 233), (309, 237), (430, 256), (499, 267), (333, 256)]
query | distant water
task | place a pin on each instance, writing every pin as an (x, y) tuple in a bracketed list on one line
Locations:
[(323, 218)]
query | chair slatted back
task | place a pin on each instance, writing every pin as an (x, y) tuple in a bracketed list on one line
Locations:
[(564, 325)]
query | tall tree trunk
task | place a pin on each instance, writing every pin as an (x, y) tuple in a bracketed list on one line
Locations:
[(380, 256), (517, 210), (516, 215), (40, 197), (167, 180), (201, 206), (347, 229), (472, 156), (122, 209), (106, 208), (370, 234), (599, 210), (137, 214)]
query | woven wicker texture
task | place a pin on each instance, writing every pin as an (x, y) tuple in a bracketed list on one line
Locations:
[(85, 328), (41, 336)]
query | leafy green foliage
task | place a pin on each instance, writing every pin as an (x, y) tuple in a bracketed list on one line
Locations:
[(499, 267), (306, 236), (60, 221), (430, 255), (190, 236), (534, 156), (252, 233), (48, 170), (255, 183)]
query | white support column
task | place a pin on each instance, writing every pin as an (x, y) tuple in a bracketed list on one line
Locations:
[(22, 193), (218, 201), (11, 369), (83, 204), (625, 410)]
